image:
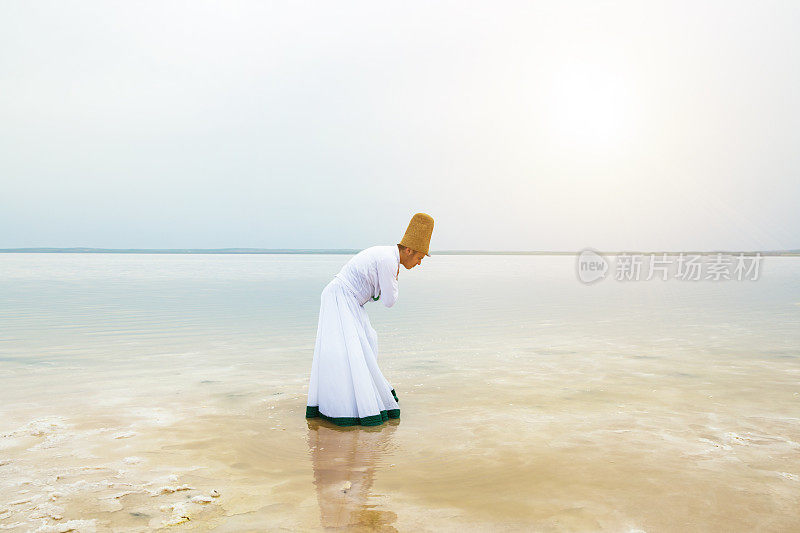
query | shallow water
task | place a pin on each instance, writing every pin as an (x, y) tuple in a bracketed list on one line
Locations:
[(133, 386)]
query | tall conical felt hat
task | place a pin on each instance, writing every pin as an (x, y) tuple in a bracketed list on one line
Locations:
[(418, 234)]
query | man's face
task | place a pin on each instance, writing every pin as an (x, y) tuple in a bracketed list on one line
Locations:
[(410, 258)]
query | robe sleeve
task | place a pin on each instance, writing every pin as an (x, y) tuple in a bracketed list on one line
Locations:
[(387, 279)]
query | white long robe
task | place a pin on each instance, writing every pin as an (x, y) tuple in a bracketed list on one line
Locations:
[(346, 385)]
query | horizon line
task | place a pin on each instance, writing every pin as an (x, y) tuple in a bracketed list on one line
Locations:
[(350, 251)]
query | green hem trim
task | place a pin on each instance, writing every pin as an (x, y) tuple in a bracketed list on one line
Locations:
[(395, 396), (312, 411)]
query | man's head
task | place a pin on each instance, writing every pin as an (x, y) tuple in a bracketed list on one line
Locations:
[(409, 258), (418, 233)]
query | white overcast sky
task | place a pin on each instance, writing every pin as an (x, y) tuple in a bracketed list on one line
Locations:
[(516, 125)]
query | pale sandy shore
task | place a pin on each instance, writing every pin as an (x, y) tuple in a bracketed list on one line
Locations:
[(572, 456)]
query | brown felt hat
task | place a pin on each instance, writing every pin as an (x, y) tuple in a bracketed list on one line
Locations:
[(418, 234)]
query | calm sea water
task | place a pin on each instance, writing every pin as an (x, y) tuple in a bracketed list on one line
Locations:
[(139, 391)]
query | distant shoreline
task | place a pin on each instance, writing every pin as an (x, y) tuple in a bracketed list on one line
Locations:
[(347, 251)]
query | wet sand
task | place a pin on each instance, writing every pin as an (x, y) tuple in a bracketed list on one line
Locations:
[(568, 453)]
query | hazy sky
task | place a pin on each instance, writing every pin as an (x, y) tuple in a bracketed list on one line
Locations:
[(516, 125)]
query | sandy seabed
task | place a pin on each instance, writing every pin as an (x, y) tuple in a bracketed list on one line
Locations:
[(567, 455)]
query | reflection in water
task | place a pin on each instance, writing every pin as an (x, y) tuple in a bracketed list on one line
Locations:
[(345, 461)]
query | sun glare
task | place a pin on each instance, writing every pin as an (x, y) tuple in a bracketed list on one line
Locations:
[(592, 108)]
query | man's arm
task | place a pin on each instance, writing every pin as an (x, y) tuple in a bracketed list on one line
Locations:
[(388, 281)]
